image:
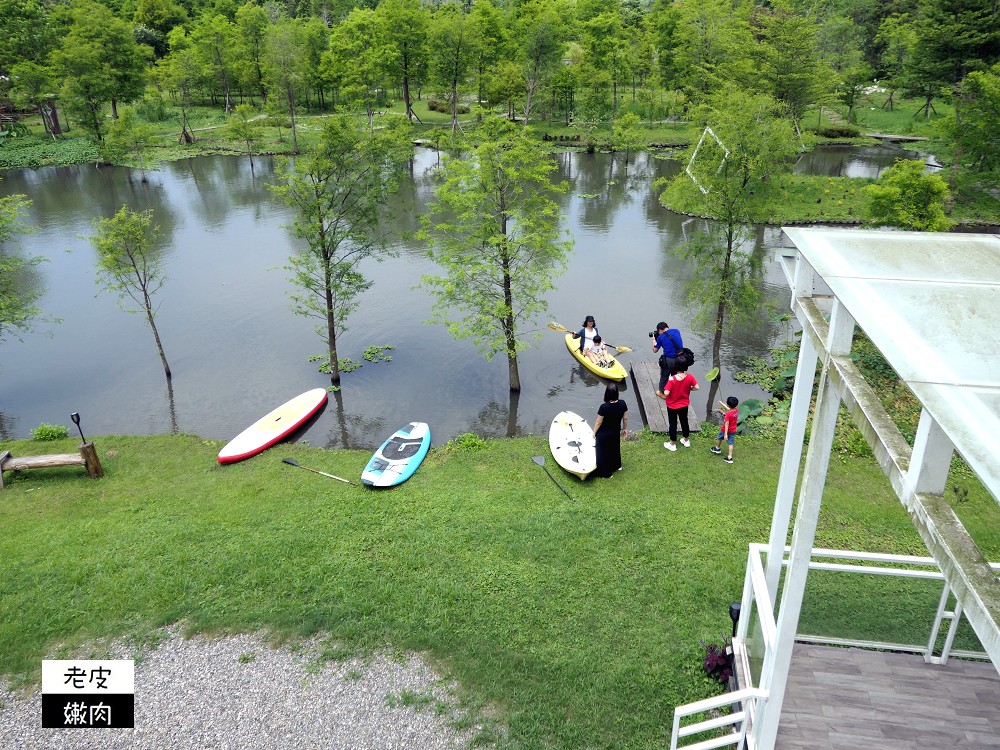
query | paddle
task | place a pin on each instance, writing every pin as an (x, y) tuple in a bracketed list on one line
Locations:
[(540, 460), (562, 329), (316, 471)]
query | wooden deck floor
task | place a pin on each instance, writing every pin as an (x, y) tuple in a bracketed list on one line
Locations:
[(645, 379), (853, 699)]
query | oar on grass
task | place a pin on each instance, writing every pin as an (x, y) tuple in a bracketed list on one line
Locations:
[(563, 329), (540, 460), (292, 462)]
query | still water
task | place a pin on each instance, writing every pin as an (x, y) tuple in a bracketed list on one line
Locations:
[(237, 350)]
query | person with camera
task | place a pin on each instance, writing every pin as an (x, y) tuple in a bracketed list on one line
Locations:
[(669, 343)]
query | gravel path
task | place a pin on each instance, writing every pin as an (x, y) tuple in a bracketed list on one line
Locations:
[(237, 693)]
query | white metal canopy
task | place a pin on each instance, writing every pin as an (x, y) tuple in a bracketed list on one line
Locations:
[(931, 304)]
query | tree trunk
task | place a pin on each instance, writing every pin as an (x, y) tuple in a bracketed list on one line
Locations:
[(172, 407), (508, 325), (186, 135), (331, 334), (156, 336), (410, 114), (720, 313), (291, 116), (713, 391), (515, 378)]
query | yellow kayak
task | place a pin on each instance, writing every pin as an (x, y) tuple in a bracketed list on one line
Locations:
[(614, 372)]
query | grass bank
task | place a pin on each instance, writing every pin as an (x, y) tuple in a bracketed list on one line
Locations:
[(575, 624)]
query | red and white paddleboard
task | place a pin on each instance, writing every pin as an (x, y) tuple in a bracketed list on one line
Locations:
[(273, 427)]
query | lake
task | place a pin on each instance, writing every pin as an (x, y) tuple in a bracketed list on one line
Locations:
[(237, 350)]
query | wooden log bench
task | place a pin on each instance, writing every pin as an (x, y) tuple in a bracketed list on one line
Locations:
[(87, 457)]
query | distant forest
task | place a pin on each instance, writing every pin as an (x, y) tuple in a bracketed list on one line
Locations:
[(534, 59)]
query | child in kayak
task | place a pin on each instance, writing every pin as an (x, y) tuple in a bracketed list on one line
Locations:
[(598, 353)]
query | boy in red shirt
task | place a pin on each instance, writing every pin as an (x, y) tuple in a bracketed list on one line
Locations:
[(728, 430)]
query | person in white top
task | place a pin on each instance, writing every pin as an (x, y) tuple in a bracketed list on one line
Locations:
[(587, 334)]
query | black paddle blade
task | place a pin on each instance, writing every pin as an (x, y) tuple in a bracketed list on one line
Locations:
[(290, 461), (540, 460)]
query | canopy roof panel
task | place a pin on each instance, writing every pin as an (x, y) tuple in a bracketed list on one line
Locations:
[(930, 302)]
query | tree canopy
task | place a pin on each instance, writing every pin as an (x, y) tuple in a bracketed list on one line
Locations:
[(494, 230)]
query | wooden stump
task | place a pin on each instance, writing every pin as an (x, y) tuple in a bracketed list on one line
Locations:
[(91, 461)]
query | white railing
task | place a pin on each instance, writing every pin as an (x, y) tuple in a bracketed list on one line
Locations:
[(757, 609), (736, 721), (875, 563)]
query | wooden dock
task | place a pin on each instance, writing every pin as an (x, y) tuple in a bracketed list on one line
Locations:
[(897, 138), (645, 378)]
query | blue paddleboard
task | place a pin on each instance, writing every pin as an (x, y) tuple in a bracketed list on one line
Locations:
[(399, 456)]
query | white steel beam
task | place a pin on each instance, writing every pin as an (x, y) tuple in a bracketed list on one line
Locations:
[(774, 676)]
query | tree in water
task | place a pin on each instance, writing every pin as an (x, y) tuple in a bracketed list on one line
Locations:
[(730, 177), (130, 263), (244, 126), (129, 138), (338, 191), (495, 232)]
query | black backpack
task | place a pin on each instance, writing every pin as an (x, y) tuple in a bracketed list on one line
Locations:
[(683, 352)]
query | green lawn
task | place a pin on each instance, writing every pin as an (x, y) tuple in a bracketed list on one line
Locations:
[(575, 624)]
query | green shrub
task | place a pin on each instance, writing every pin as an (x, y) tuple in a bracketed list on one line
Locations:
[(838, 131), (152, 108), (465, 443), (50, 432), (439, 105)]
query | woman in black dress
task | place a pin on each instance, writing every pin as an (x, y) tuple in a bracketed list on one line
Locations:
[(611, 425)]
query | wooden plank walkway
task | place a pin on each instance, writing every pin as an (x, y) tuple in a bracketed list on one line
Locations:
[(855, 699), (645, 379)]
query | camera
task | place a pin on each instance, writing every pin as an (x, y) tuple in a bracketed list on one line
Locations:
[(652, 334)]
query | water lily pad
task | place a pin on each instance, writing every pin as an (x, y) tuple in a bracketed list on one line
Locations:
[(750, 408), (712, 374)]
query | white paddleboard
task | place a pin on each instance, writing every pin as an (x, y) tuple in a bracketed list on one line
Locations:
[(571, 441), (274, 426)]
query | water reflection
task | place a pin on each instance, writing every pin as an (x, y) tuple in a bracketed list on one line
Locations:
[(237, 350), (851, 161)]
